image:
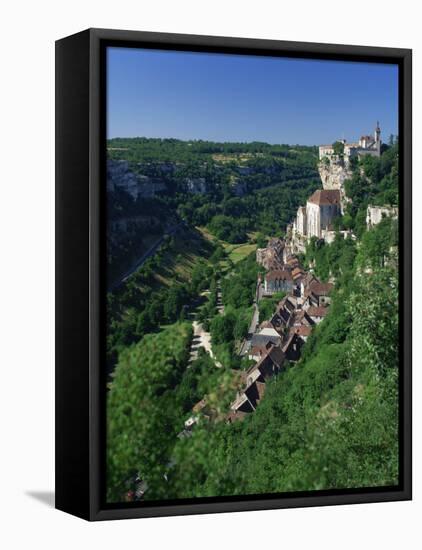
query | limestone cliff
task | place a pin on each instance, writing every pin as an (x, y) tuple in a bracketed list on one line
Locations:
[(333, 175), (121, 176)]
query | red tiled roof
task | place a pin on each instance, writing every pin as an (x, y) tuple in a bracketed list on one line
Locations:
[(325, 197), (309, 278), (314, 311), (321, 289), (297, 271), (302, 330)]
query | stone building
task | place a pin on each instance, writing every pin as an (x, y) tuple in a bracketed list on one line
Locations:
[(321, 210), (279, 280), (256, 376), (316, 218), (301, 220), (271, 257), (367, 145)]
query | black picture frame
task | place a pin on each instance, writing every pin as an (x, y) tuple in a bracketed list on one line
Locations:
[(80, 230)]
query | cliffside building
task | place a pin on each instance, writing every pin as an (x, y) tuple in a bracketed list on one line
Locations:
[(321, 210), (316, 218), (367, 145)]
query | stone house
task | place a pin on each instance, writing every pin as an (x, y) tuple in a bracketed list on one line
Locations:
[(278, 280), (280, 320), (269, 330), (309, 300), (316, 313), (301, 317), (306, 282), (261, 340), (242, 404), (256, 376), (271, 257), (322, 292), (271, 364), (302, 331), (256, 353)]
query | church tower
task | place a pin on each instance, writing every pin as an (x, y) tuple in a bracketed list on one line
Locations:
[(377, 136)]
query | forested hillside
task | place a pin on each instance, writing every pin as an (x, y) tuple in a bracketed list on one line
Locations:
[(232, 188), (159, 292), (329, 420)]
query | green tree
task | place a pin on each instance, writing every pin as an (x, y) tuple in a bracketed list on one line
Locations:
[(338, 148), (222, 327), (142, 416)]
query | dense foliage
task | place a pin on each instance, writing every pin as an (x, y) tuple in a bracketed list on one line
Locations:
[(268, 304), (174, 150), (152, 392), (375, 181), (242, 182), (331, 421), (143, 415), (162, 291)]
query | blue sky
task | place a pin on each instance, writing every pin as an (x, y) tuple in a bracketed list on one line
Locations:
[(219, 97)]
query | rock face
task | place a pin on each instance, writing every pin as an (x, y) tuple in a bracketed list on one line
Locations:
[(375, 214), (197, 186), (120, 176), (333, 175)]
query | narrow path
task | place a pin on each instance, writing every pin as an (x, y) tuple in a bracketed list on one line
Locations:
[(201, 338), (220, 305), (245, 347)]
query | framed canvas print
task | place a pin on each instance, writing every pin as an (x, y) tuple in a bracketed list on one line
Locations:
[(233, 274)]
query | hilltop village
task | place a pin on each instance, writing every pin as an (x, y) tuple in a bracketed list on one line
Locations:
[(276, 343), (237, 277)]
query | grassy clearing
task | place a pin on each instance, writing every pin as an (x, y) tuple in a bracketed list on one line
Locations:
[(235, 252), (241, 251)]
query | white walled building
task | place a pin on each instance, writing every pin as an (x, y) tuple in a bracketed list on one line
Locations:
[(301, 220), (367, 145), (321, 210)]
